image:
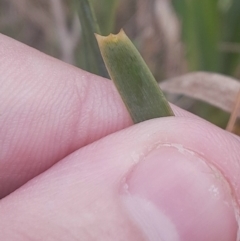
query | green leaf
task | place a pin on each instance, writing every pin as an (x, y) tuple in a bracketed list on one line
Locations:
[(201, 32), (231, 34), (134, 81), (106, 13), (93, 61)]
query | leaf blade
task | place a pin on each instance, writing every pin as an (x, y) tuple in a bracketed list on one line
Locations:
[(93, 61), (215, 89), (134, 81)]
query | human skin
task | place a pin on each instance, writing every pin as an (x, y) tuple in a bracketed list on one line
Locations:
[(73, 167)]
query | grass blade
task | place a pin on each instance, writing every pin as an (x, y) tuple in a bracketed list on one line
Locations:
[(201, 30), (93, 61), (231, 34), (215, 89), (134, 81), (105, 11), (234, 114)]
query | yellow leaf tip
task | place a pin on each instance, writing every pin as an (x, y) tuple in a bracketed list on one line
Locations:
[(111, 37)]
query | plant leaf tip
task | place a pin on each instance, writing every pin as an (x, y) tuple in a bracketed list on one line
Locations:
[(111, 37), (98, 36), (116, 37)]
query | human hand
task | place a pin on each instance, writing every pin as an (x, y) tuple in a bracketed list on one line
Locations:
[(174, 178)]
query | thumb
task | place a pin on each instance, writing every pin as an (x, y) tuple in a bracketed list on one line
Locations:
[(167, 179), (181, 188), (174, 194)]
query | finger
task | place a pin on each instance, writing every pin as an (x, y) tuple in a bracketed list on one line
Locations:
[(49, 109), (165, 179)]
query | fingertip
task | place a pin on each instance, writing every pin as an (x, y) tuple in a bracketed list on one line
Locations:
[(173, 195)]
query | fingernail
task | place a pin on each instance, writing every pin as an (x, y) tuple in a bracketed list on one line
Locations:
[(174, 194)]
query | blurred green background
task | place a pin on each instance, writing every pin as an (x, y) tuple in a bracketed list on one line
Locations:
[(174, 37)]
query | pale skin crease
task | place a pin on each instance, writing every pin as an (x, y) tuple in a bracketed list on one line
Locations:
[(62, 173)]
